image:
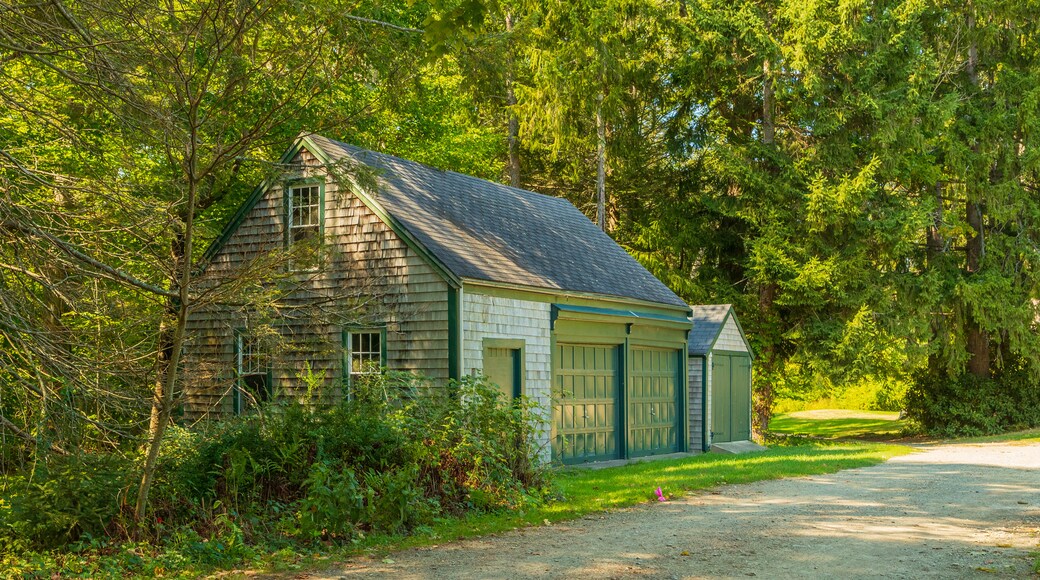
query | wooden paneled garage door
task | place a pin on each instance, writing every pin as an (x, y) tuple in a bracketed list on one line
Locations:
[(653, 402), (585, 416)]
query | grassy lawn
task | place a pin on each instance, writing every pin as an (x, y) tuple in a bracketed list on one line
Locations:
[(838, 424), (583, 491)]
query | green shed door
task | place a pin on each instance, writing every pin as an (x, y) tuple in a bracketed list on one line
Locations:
[(741, 392), (653, 401), (721, 403), (585, 416), (502, 367), (730, 398)]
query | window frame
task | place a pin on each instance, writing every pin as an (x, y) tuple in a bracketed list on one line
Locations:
[(348, 353), (287, 210), (238, 399)]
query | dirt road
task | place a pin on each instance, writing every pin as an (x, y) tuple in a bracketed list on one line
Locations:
[(952, 511)]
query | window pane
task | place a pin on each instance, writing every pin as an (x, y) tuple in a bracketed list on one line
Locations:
[(365, 353)]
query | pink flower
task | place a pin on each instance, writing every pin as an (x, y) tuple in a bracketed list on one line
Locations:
[(660, 496)]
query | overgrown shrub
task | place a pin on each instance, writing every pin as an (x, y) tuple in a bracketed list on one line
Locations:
[(63, 498), (970, 405), (392, 457), (475, 450)]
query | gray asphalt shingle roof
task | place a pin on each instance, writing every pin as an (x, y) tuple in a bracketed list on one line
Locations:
[(487, 231), (707, 324)]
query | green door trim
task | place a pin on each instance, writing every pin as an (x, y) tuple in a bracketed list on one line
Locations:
[(519, 364), (592, 314)]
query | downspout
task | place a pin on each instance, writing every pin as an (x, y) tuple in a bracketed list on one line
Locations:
[(454, 333)]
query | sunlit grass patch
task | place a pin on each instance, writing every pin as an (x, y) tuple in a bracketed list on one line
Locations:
[(838, 424)]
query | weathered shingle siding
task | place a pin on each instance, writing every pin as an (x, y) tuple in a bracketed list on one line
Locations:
[(696, 406), (497, 317), (369, 270), (730, 338)]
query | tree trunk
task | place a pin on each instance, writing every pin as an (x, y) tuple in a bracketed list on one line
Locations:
[(513, 128), (976, 339), (167, 377), (764, 392), (601, 166)]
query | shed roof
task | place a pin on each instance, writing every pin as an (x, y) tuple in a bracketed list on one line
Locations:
[(708, 320), (482, 230)]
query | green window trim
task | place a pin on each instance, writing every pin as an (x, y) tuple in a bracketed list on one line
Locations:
[(238, 405), (288, 194), (348, 352), (520, 368)]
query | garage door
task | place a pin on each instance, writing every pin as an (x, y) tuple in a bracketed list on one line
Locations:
[(653, 402), (585, 419), (730, 398)]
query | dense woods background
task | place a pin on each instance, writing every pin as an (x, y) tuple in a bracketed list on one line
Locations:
[(859, 177)]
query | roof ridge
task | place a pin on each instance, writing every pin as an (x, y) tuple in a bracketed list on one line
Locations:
[(438, 169)]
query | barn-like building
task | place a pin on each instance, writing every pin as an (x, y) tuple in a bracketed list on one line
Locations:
[(430, 271)]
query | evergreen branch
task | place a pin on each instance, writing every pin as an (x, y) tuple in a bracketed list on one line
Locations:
[(383, 24)]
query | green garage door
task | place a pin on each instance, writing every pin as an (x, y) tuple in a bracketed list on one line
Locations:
[(730, 397), (653, 402), (585, 417)]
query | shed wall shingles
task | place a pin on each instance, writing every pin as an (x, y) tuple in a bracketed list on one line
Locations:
[(369, 270), (730, 338), (696, 407)]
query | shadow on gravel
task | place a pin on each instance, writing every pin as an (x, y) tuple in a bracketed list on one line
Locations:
[(946, 512)]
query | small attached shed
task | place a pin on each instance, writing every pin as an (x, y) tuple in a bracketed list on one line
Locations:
[(720, 360)]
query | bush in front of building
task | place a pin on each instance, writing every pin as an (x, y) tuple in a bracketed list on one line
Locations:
[(385, 460)]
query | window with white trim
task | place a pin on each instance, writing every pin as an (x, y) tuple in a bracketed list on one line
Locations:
[(254, 372), (304, 212), (364, 353)]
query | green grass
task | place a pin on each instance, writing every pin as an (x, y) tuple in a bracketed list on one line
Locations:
[(831, 424)]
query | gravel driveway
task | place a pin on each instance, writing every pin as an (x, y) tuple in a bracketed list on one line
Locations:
[(949, 511)]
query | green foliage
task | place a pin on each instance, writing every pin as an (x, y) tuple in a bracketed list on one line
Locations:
[(397, 503), (63, 499), (396, 456), (970, 405), (474, 448), (335, 504), (866, 394)]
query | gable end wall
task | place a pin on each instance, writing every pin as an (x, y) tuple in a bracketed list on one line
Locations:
[(730, 338), (369, 269)]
